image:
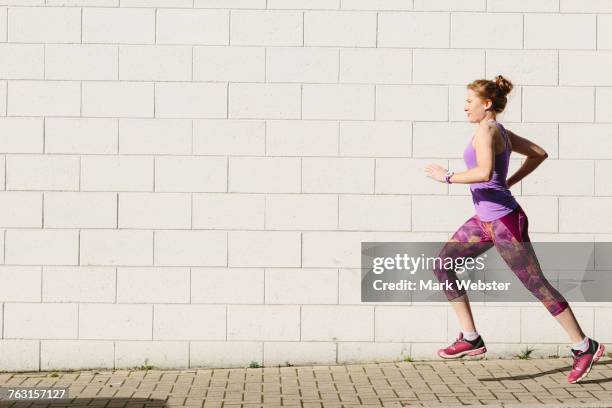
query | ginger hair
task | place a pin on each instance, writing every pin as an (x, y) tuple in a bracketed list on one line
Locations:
[(495, 90)]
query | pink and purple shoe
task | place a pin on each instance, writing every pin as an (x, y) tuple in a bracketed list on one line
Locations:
[(584, 360), (462, 347)]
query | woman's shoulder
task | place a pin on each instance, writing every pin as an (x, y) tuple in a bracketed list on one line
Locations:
[(488, 128), (493, 124), (491, 130)]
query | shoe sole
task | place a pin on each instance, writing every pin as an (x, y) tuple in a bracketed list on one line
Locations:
[(598, 354), (475, 352)]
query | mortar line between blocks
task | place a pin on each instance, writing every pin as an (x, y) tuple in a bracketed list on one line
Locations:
[(596, 30), (523, 30), (41, 286), (78, 319), (377, 13)]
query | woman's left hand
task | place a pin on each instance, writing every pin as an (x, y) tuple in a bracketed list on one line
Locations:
[(436, 172)]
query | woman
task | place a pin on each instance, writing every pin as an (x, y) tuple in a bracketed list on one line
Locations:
[(500, 221)]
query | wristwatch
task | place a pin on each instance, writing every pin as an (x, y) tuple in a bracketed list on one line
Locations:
[(448, 175)]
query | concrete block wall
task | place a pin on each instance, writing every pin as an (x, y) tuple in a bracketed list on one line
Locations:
[(189, 181)]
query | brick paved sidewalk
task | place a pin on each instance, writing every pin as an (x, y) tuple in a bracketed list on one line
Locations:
[(490, 383)]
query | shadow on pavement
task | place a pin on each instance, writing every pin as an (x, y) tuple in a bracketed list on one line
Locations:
[(556, 370), (86, 402)]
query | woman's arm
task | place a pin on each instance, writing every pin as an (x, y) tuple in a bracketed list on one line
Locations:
[(484, 145), (535, 156)]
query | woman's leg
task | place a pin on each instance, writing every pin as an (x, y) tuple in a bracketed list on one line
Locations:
[(511, 238), (463, 310), (568, 321), (469, 240)]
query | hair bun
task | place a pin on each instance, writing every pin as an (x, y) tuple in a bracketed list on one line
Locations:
[(503, 84)]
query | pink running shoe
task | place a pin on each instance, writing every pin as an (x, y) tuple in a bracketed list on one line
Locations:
[(583, 361), (462, 347)]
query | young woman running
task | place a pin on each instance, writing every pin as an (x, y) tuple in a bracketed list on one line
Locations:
[(501, 222)]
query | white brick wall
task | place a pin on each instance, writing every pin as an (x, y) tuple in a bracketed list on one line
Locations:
[(80, 135), (43, 98), (340, 28), (495, 30), (44, 24), (218, 63), (118, 25), (117, 99), (189, 181), (413, 30), (561, 31), (76, 61), (23, 61), (80, 209)]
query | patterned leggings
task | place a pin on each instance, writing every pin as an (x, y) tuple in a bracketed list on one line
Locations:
[(507, 234)]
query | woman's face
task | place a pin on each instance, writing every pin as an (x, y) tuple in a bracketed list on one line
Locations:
[(475, 107)]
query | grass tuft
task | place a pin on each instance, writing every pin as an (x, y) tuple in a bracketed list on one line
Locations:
[(525, 354)]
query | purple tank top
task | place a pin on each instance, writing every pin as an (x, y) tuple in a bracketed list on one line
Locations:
[(492, 199)]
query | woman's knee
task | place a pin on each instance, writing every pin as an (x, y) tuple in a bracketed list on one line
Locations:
[(556, 308)]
